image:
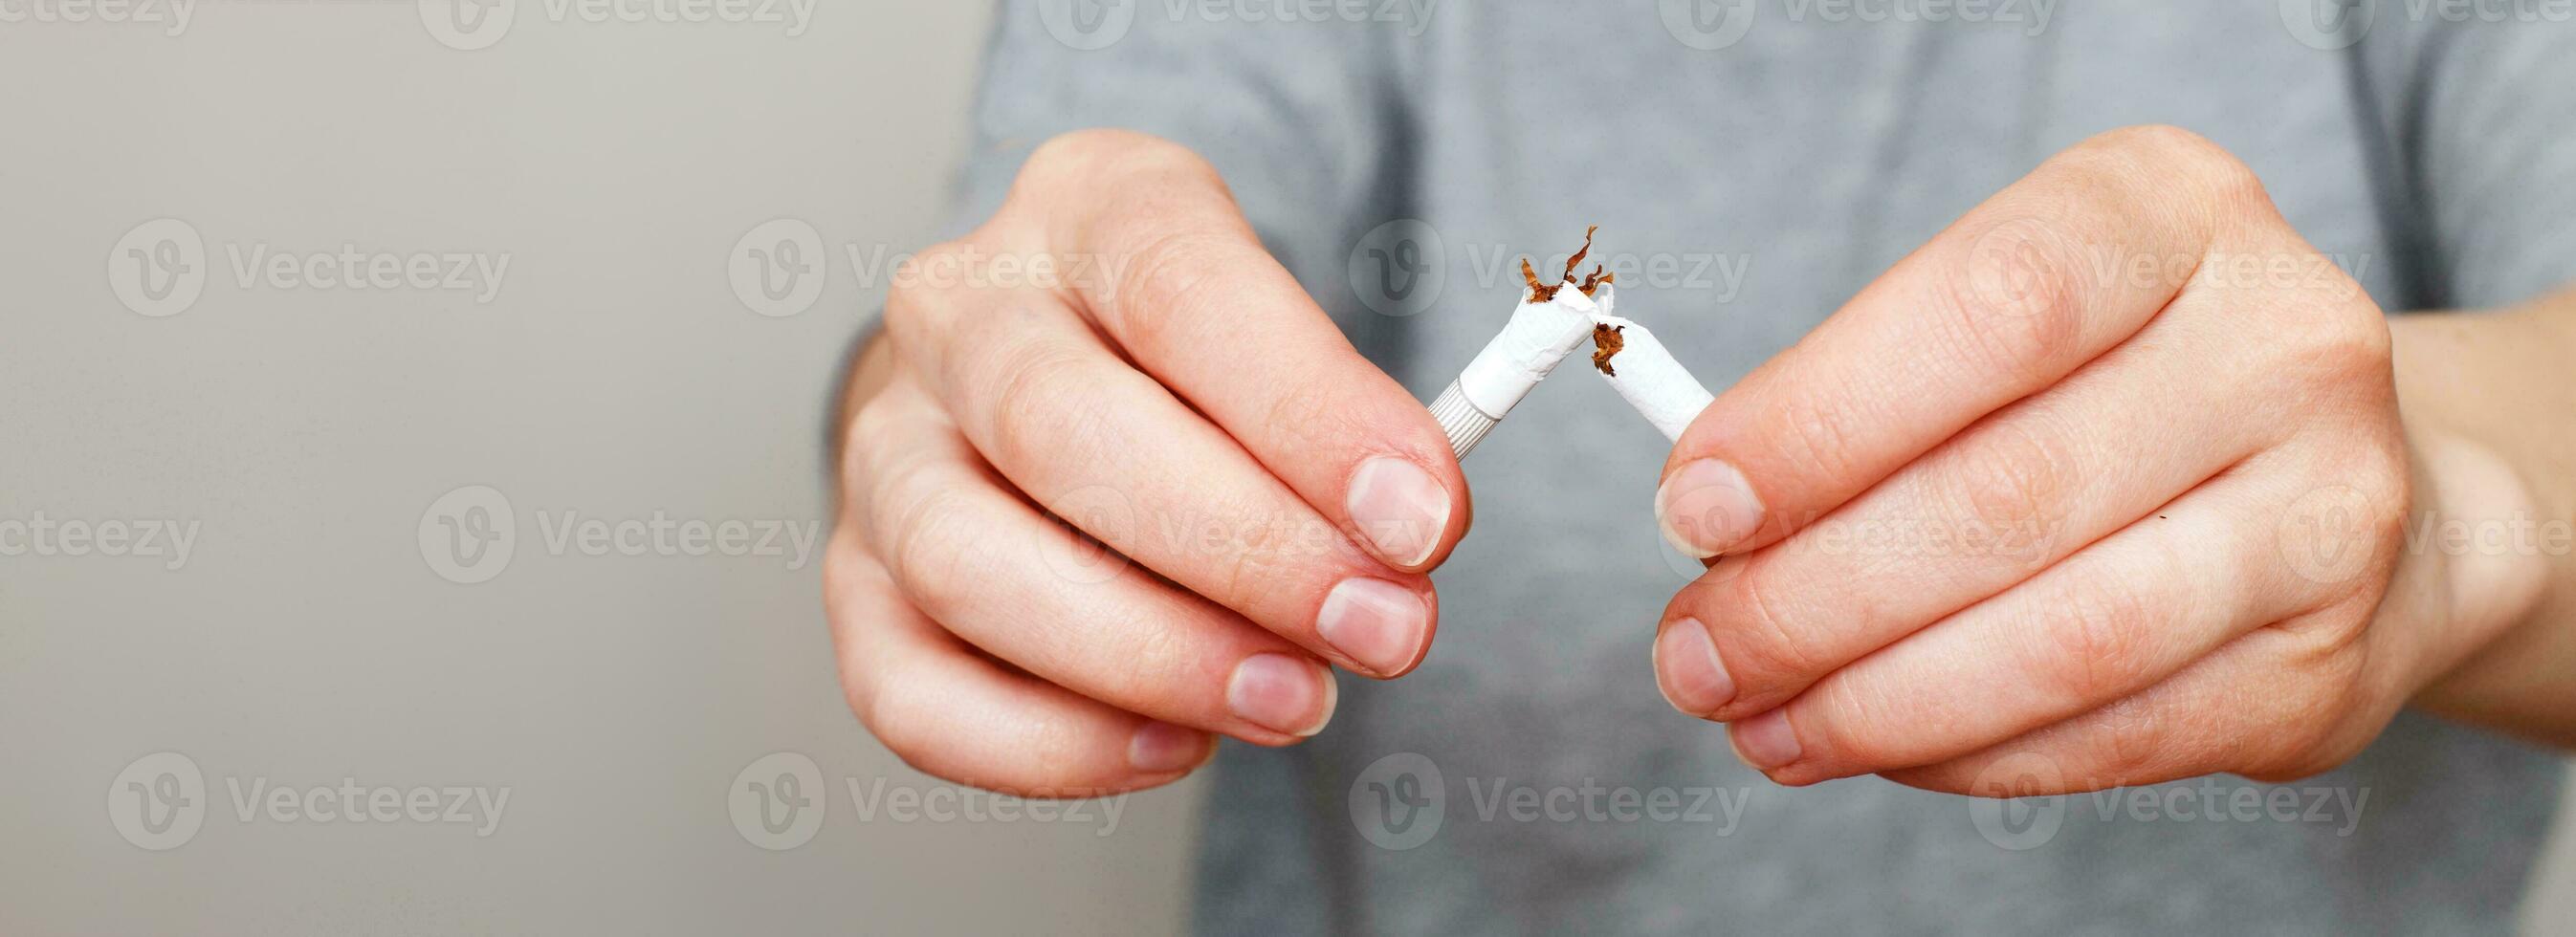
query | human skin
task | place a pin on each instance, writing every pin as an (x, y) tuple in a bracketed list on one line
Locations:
[(2110, 483)]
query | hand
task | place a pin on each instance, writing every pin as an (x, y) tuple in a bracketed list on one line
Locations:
[(1249, 499), (2110, 475)]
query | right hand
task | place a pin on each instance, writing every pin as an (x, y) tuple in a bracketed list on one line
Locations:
[(1268, 499)]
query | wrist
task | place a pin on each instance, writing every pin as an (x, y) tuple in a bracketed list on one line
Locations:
[(2474, 564)]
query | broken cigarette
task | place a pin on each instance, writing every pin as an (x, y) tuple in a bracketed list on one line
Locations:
[(1549, 324)]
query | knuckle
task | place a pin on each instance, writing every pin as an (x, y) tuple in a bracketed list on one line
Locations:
[(2384, 484), (2165, 153), (1315, 411), (2309, 738), (1154, 659), (1848, 722), (1097, 146), (2017, 479), (1767, 649), (890, 713), (915, 726), (1085, 160), (872, 420), (859, 461), (1819, 435), (2016, 303), (1252, 573), (2349, 342), (1174, 276), (914, 303), (929, 547), (2096, 645), (1047, 406), (2130, 743)]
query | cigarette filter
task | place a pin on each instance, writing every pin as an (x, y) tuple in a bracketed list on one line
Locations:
[(1541, 333)]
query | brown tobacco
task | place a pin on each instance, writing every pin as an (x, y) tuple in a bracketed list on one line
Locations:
[(1607, 341), (1546, 292)]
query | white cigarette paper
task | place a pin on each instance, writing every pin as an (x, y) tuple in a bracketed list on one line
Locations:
[(1648, 377)]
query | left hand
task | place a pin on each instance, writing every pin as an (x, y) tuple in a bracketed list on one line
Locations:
[(2110, 473)]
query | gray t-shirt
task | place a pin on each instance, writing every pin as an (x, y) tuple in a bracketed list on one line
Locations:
[(1749, 180)]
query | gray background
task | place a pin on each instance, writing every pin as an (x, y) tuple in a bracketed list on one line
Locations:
[(313, 435)]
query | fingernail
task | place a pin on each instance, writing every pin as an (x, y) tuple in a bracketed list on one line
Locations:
[(1765, 741), (1400, 509), (1162, 748), (1688, 671), (1282, 694), (1706, 508), (1375, 622)]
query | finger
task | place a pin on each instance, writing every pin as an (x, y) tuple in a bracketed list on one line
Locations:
[(1105, 447), (993, 572), (2017, 294), (952, 713), (1187, 291), (2108, 622), (2008, 497), (2275, 705)]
